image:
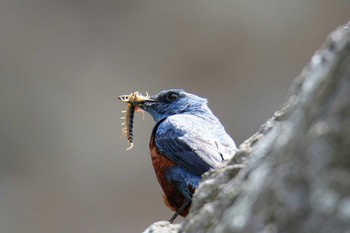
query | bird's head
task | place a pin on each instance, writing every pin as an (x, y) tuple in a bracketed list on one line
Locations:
[(174, 101)]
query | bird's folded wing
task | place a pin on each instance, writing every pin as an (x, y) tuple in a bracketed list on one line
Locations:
[(190, 145)]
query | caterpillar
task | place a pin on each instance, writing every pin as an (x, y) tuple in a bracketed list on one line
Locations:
[(132, 101)]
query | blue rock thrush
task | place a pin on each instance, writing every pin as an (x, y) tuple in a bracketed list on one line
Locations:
[(186, 142)]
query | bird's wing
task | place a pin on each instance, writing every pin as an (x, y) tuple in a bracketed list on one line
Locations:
[(192, 144)]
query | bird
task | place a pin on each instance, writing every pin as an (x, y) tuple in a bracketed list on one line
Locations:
[(186, 141)]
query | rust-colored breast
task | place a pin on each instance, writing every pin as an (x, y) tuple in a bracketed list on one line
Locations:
[(172, 197)]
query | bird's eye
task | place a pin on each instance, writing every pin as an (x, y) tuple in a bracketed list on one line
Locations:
[(172, 96)]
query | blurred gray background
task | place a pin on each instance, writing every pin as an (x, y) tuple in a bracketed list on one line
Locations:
[(63, 166)]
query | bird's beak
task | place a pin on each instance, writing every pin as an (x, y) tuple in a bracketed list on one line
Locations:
[(136, 99)]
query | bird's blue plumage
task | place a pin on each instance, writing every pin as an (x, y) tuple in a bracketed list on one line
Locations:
[(184, 180), (196, 143), (189, 139)]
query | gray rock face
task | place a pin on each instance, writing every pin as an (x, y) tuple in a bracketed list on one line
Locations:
[(163, 227), (294, 174)]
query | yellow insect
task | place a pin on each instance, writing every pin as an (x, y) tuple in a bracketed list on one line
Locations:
[(134, 99)]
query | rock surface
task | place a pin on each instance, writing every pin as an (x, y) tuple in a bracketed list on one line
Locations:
[(163, 227)]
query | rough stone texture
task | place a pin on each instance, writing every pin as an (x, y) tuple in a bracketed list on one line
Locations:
[(294, 174), (163, 227)]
